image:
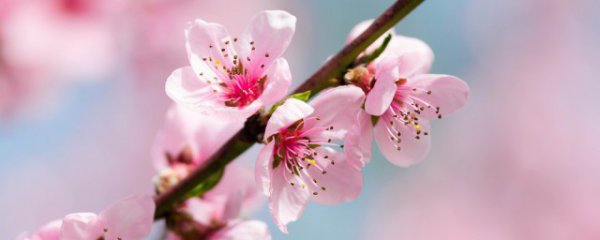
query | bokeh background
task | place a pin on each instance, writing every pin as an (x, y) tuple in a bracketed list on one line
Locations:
[(82, 97)]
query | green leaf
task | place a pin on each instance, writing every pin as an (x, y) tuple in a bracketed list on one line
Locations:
[(207, 185), (303, 96), (370, 57)]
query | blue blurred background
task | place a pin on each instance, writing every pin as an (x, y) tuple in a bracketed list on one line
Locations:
[(521, 161)]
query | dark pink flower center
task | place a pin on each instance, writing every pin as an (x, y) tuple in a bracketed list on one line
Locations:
[(242, 90), (297, 150), (239, 83), (404, 114)]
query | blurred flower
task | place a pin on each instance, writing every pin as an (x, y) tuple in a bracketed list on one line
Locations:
[(216, 214), (44, 45), (235, 76), (186, 141), (300, 159), (130, 218)]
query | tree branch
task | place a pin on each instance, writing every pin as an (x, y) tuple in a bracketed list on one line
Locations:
[(321, 79)]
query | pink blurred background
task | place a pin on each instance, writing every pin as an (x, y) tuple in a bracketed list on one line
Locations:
[(82, 97)]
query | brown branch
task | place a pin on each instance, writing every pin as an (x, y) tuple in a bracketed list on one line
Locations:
[(321, 79)]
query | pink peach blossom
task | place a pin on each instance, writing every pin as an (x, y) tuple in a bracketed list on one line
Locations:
[(130, 218), (217, 217), (302, 158), (186, 141), (403, 98), (231, 75)]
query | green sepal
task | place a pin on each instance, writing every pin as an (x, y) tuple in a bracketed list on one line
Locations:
[(303, 96), (370, 57), (207, 185), (374, 120)]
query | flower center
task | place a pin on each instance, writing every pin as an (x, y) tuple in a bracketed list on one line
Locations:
[(405, 110), (299, 150), (239, 83), (243, 88)]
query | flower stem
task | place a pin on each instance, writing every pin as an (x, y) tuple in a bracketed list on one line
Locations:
[(326, 76)]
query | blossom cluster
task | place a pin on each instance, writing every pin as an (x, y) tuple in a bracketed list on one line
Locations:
[(313, 150)]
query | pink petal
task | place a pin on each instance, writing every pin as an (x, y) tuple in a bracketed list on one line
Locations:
[(186, 128), (342, 182), (271, 33), (389, 70), (403, 65), (263, 165), (361, 27), (411, 150), (50, 231), (400, 45), (78, 226), (289, 112), (447, 92), (338, 106), (130, 218), (176, 134), (233, 206), (243, 230), (279, 79), (286, 202), (200, 36), (380, 97), (238, 179), (184, 87), (358, 141), (204, 211)]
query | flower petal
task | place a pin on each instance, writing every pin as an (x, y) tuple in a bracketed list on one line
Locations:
[(338, 106), (421, 52), (270, 32), (131, 218), (233, 206), (279, 79), (238, 179), (263, 165), (184, 128), (243, 230), (449, 93), (200, 36), (358, 142), (361, 27), (289, 112), (342, 181), (50, 231), (77, 226), (184, 87), (380, 97), (411, 149), (286, 202)]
